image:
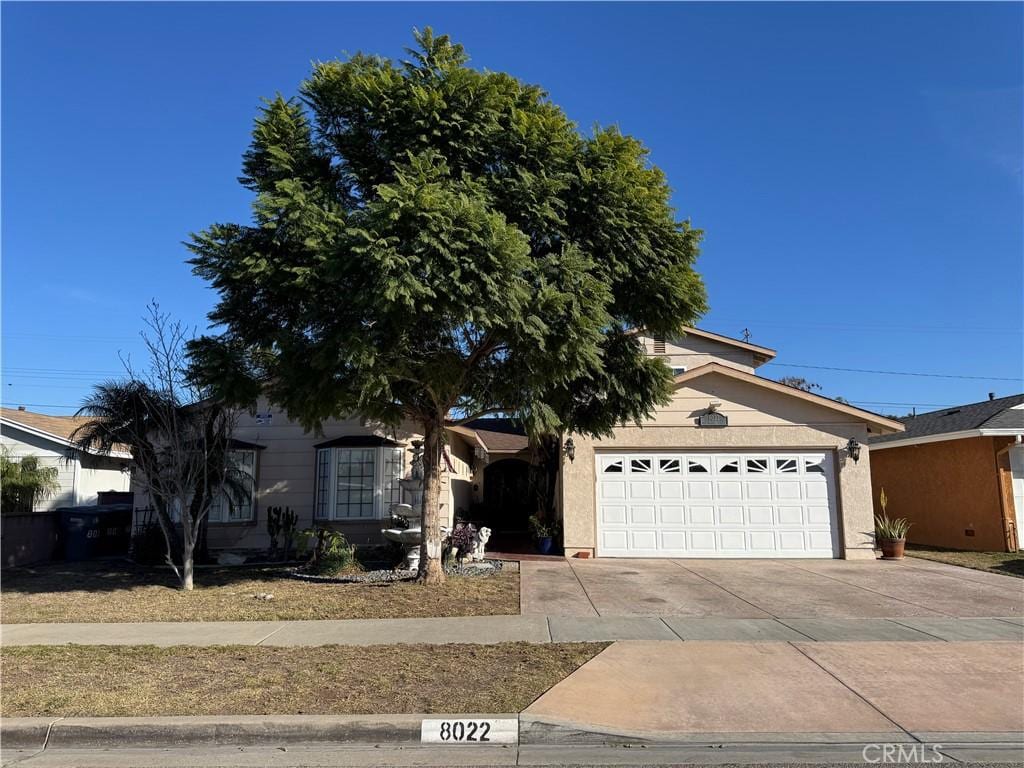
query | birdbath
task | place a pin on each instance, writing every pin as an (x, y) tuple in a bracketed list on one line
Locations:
[(412, 488)]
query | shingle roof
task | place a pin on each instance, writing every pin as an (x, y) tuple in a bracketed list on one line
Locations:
[(500, 435), (61, 427), (988, 414)]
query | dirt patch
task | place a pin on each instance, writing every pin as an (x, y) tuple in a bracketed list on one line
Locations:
[(109, 681), (1006, 563), (122, 592)]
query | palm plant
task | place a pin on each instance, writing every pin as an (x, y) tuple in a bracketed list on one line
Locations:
[(24, 481)]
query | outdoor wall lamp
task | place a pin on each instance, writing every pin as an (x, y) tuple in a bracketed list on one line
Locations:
[(853, 449), (570, 450)]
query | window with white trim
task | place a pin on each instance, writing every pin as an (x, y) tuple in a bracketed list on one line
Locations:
[(225, 508), (358, 483)]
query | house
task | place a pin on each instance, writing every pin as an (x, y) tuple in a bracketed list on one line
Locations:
[(736, 465), (957, 474), (82, 476)]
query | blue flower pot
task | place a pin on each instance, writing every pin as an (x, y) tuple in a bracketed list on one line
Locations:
[(544, 545)]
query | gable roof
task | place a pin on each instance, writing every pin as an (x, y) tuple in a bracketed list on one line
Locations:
[(56, 428), (874, 419), (972, 420)]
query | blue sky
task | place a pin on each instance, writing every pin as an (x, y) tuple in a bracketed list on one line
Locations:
[(857, 168)]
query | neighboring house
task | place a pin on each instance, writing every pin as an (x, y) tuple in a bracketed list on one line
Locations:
[(736, 465), (81, 475), (957, 474)]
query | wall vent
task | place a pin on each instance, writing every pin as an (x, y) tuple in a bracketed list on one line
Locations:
[(659, 345)]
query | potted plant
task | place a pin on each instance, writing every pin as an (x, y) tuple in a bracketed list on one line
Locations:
[(890, 534), (543, 533)]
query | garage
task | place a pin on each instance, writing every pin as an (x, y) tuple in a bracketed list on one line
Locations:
[(716, 504)]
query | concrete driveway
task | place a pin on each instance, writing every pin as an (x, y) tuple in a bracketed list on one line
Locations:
[(763, 589)]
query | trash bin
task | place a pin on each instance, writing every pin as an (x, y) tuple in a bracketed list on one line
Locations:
[(97, 531)]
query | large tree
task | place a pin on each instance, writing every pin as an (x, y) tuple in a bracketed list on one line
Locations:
[(432, 242)]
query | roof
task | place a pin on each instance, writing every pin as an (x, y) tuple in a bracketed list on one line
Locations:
[(57, 428), (971, 420), (358, 441), (873, 419), (495, 434)]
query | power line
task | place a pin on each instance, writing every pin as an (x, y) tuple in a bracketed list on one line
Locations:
[(896, 373)]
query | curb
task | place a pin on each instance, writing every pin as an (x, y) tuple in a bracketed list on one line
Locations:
[(38, 733), (250, 730)]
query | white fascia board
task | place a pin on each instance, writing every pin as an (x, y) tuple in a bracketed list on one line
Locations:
[(944, 437), (60, 440)]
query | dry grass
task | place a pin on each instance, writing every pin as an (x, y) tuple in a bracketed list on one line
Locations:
[(74, 681), (1006, 563), (122, 592)]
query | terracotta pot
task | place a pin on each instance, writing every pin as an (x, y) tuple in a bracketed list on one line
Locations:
[(892, 549)]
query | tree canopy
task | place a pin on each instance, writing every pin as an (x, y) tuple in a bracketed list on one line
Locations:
[(431, 240)]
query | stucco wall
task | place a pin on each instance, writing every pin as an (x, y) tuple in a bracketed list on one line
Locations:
[(944, 489), (758, 420)]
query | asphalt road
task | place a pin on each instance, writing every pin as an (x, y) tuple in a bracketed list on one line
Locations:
[(448, 757)]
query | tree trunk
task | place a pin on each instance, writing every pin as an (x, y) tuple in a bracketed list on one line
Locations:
[(188, 553), (431, 565)]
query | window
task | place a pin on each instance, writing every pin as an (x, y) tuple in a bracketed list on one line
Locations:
[(755, 466), (354, 482), (669, 466), (728, 465), (785, 466), (696, 465), (640, 466), (815, 466), (678, 369), (358, 483), (226, 508), (612, 467)]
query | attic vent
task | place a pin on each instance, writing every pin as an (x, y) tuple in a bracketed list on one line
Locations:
[(659, 345), (950, 413)]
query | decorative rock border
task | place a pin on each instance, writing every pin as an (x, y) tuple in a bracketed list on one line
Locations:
[(472, 570)]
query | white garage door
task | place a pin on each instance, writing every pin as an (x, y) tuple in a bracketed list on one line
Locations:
[(716, 505)]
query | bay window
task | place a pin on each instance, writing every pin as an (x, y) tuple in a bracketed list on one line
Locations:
[(358, 482)]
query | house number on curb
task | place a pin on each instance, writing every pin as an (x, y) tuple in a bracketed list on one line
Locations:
[(460, 731)]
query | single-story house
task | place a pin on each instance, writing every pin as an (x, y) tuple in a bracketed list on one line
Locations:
[(957, 474), (737, 465), (82, 476)]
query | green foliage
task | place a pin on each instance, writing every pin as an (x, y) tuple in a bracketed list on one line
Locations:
[(24, 481), (541, 528), (429, 238), (887, 529), (331, 552)]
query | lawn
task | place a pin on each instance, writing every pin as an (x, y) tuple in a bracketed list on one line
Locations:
[(77, 681), (122, 592), (1006, 563)]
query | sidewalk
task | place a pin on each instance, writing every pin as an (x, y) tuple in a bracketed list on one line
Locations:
[(500, 629)]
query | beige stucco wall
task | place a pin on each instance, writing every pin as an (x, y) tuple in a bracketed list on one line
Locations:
[(758, 420), (693, 351)]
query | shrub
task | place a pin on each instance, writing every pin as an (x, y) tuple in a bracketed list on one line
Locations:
[(331, 551)]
